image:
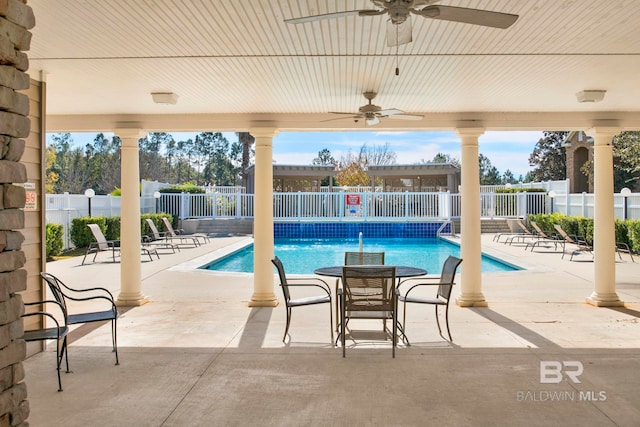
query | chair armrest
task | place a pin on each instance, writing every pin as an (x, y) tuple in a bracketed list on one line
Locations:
[(46, 313), (323, 285), (106, 293), (420, 282)]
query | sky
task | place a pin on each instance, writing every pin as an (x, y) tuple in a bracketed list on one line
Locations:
[(505, 150)]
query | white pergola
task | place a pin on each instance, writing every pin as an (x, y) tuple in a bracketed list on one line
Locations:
[(237, 66)]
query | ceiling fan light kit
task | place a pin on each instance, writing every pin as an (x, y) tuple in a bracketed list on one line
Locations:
[(168, 98)]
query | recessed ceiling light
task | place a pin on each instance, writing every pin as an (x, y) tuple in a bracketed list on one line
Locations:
[(164, 97), (590, 95)]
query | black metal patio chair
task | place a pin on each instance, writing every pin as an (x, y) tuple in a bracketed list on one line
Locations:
[(58, 332), (100, 296)]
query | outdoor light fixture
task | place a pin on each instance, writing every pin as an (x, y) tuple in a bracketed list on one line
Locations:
[(164, 97), (552, 195), (590, 95), (89, 193), (156, 196), (625, 193)]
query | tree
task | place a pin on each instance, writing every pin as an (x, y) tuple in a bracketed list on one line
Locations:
[(508, 177), (246, 140), (626, 161), (324, 158), (352, 168), (51, 177), (489, 174), (549, 158), (446, 158)]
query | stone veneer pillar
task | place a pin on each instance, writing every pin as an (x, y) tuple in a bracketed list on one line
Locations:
[(16, 18), (263, 295)]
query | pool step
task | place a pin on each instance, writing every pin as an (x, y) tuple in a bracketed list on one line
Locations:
[(494, 225), (218, 226)]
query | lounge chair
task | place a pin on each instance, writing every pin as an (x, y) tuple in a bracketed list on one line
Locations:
[(286, 283), (161, 240), (180, 232), (580, 242), (445, 284), (544, 238), (525, 234), (368, 292), (584, 246), (102, 244), (511, 235)]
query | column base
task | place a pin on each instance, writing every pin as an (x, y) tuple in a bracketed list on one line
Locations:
[(263, 300), (474, 300), (604, 300), (131, 301)]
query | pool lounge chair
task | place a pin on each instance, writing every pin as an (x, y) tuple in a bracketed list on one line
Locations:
[(544, 238), (511, 235), (161, 240), (580, 242), (180, 233), (103, 245)]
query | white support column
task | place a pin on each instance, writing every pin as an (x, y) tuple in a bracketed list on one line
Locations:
[(263, 295), (604, 234), (130, 275), (470, 245)]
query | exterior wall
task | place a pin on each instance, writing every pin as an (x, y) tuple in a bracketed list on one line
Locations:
[(577, 143), (16, 18)]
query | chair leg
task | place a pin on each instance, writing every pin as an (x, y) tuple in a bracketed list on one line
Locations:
[(331, 322), (114, 338), (286, 328), (342, 328), (438, 321), (446, 318)]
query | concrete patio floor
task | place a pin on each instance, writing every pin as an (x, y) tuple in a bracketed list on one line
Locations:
[(196, 355)]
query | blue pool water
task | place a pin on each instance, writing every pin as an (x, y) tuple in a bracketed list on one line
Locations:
[(303, 256)]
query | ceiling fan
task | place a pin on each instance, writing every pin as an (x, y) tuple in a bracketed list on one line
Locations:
[(373, 113), (399, 11)]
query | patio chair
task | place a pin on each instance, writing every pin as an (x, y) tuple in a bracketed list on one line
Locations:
[(445, 284), (287, 283), (102, 244), (544, 237), (180, 233), (368, 292), (58, 332), (364, 258), (96, 296), (158, 239)]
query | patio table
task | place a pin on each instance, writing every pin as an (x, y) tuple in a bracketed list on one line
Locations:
[(402, 272)]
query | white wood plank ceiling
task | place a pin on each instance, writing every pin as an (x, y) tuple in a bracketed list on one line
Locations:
[(105, 57)]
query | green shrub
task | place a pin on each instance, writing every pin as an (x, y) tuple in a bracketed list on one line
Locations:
[(54, 242), (622, 231), (157, 220), (633, 231), (113, 228), (80, 234)]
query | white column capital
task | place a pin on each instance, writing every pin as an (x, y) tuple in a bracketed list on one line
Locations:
[(603, 129), (263, 130), (472, 131), (129, 133)]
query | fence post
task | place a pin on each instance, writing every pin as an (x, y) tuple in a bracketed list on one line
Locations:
[(299, 205), (238, 204), (406, 205), (183, 206)]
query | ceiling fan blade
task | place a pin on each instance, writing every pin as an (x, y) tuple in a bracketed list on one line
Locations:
[(350, 116), (390, 112), (364, 12), (407, 116), (399, 34), (373, 121), (485, 18)]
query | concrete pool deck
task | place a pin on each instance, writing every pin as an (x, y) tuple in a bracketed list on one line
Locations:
[(197, 355)]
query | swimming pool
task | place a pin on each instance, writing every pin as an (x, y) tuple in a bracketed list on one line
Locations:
[(303, 256)]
